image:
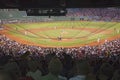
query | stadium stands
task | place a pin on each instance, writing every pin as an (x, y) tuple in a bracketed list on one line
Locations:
[(105, 14), (24, 62), (96, 55)]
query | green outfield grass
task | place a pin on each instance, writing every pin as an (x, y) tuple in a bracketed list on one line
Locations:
[(72, 32)]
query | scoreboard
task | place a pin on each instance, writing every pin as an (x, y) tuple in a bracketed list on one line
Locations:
[(46, 12)]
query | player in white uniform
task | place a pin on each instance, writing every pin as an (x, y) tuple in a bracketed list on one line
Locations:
[(98, 40), (25, 32)]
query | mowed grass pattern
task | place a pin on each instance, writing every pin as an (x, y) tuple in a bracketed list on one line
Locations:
[(74, 32)]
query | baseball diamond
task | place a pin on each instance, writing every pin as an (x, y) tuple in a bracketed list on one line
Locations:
[(84, 44), (63, 33)]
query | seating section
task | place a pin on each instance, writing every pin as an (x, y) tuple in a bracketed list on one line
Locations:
[(106, 14), (24, 62)]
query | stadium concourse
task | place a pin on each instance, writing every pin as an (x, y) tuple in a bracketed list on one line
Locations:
[(27, 62)]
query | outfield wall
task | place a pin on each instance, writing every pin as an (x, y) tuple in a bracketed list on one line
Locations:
[(21, 15)]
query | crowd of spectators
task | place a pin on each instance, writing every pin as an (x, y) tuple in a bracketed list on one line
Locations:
[(25, 62), (13, 48), (106, 14)]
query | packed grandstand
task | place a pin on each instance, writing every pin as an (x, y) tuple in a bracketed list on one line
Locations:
[(26, 62)]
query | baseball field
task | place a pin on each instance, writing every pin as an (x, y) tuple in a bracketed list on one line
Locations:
[(63, 33)]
